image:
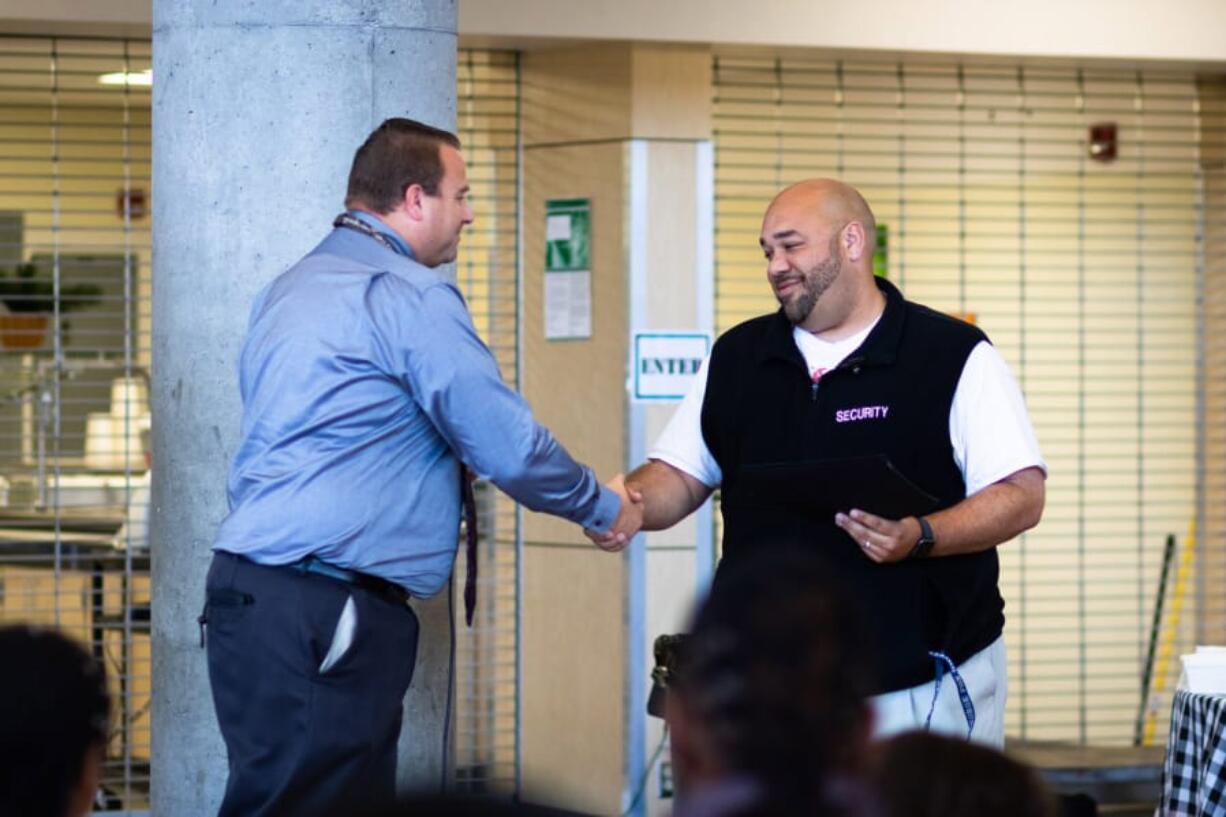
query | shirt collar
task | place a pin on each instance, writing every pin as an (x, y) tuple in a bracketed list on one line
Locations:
[(880, 347), (377, 223)]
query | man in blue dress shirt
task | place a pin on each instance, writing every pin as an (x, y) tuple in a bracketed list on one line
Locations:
[(366, 392)]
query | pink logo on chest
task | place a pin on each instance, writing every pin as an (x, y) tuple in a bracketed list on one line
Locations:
[(862, 413)]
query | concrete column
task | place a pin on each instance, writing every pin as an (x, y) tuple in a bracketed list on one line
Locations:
[(257, 109)]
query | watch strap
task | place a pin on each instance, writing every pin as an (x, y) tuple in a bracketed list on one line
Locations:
[(923, 545)]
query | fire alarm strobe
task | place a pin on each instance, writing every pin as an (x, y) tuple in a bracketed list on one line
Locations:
[(1102, 141)]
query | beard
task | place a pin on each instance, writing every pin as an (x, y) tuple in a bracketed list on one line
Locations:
[(813, 284)]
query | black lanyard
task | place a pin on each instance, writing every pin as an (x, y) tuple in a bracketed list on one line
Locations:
[(352, 223)]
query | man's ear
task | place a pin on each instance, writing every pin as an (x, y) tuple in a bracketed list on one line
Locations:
[(414, 205), (855, 243)]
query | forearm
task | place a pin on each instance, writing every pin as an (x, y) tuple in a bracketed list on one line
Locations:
[(541, 475), (995, 514), (669, 495)]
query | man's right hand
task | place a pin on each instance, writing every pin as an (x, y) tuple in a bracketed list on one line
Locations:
[(629, 518), (656, 496)]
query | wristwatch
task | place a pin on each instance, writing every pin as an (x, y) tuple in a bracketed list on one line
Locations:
[(923, 545)]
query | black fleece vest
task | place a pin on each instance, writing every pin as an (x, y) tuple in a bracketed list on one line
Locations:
[(891, 396)]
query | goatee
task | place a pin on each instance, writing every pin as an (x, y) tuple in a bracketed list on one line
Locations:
[(813, 284)]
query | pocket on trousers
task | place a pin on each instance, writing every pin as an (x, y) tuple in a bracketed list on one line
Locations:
[(342, 636), (222, 606), (391, 648)]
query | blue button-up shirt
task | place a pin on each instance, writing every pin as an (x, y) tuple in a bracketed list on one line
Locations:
[(364, 386)]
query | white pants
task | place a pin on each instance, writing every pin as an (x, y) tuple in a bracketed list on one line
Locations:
[(985, 676)]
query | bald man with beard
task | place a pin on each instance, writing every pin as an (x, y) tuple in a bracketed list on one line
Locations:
[(848, 367)]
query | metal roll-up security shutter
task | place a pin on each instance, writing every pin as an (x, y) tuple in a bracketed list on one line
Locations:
[(1088, 274), (74, 418), (74, 412), (486, 733), (1210, 562)]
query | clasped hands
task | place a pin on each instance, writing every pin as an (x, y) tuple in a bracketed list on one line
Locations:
[(629, 518)]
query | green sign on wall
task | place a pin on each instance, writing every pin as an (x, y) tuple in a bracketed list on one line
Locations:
[(881, 256), (568, 270), (567, 235)]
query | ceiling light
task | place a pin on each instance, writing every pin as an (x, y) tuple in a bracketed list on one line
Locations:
[(141, 79)]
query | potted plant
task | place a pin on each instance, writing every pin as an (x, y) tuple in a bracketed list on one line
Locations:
[(30, 299)]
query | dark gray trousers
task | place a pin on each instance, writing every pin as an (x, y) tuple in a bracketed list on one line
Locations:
[(301, 742)]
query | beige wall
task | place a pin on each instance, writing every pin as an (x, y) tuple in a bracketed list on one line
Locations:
[(575, 108), (113, 18), (581, 108), (1181, 30), (1178, 30)]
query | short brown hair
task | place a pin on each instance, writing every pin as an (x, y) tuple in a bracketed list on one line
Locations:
[(399, 153)]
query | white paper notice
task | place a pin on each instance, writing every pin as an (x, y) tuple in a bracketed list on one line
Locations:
[(568, 305), (557, 228)]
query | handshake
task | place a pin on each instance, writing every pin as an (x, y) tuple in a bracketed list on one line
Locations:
[(629, 518), (673, 494)]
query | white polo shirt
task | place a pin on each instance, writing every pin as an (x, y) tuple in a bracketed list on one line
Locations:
[(989, 426)]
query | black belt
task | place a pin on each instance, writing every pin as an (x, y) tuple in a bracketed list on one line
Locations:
[(389, 590)]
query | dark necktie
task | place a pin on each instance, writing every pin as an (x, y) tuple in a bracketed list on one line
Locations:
[(470, 537)]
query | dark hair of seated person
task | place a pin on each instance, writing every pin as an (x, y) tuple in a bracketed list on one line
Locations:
[(54, 714), (921, 774), (772, 685)]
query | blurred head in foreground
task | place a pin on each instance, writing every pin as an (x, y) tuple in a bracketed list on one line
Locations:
[(769, 703), (923, 774), (54, 715)]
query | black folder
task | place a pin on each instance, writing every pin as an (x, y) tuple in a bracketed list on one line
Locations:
[(822, 488)]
